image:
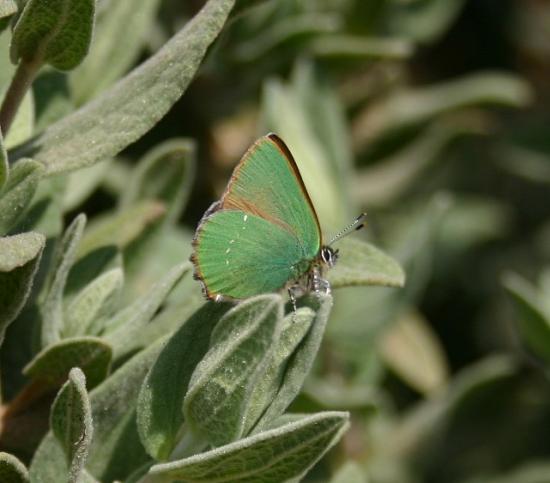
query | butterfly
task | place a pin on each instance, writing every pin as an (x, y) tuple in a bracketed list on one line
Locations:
[(263, 234)]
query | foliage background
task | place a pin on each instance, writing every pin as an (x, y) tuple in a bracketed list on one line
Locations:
[(431, 115)]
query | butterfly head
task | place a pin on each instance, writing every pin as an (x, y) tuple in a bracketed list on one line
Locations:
[(329, 256)]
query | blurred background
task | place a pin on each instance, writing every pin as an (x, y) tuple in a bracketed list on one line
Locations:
[(433, 117)]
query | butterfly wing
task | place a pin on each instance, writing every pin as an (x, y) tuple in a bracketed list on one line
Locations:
[(266, 220), (238, 255)]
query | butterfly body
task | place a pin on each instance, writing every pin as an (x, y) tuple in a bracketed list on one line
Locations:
[(263, 234)]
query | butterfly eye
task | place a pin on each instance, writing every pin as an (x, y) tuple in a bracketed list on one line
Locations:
[(329, 256)]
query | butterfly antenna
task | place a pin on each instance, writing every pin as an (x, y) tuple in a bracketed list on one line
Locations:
[(357, 224)]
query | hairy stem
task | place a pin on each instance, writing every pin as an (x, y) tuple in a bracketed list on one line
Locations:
[(20, 84)]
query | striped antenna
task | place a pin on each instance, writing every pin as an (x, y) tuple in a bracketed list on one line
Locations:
[(357, 224)]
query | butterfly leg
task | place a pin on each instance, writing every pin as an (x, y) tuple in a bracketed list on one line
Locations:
[(319, 284)]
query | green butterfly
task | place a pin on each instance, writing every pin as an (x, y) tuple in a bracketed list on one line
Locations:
[(263, 234)]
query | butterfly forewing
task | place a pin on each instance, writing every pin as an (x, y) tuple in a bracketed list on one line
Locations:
[(263, 232)]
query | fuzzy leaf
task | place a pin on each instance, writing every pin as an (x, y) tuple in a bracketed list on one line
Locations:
[(52, 365), (133, 105), (280, 454), (18, 192), (167, 174), (222, 383), (82, 183), (19, 259), (125, 326), (11, 469), (300, 362), (411, 349), (533, 322), (412, 107), (295, 328), (22, 126), (120, 32), (361, 263), (71, 422), (51, 302), (57, 32), (115, 450), (4, 168), (122, 228), (350, 46), (159, 412), (51, 97), (93, 303)]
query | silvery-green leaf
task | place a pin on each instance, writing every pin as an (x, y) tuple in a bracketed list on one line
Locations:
[(160, 402), (4, 168), (6, 67), (45, 29), (360, 263), (82, 183), (22, 126), (19, 259), (52, 365), (349, 46), (300, 362), (165, 173), (411, 349), (295, 327), (533, 321), (71, 422), (350, 472), (93, 303), (415, 106), (51, 301), (120, 229), (222, 383), (123, 327), (281, 454), (115, 451), (18, 192), (120, 32), (51, 98), (11, 469), (132, 106)]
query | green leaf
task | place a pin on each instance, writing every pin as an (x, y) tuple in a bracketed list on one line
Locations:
[(52, 365), (412, 107), (222, 383), (167, 174), (533, 322), (19, 259), (120, 229), (350, 472), (4, 168), (57, 32), (280, 454), (295, 328), (125, 325), (51, 301), (300, 362), (361, 263), (51, 98), (121, 30), (22, 127), (133, 105), (115, 451), (411, 349), (18, 192), (160, 402), (349, 46), (82, 183), (71, 422), (93, 303), (11, 469)]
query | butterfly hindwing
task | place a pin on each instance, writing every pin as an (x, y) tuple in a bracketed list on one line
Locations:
[(238, 255)]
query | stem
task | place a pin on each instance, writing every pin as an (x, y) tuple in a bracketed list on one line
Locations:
[(20, 84)]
